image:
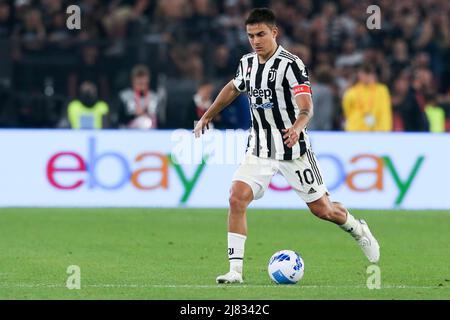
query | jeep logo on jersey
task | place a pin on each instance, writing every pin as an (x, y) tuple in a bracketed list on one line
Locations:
[(260, 93)]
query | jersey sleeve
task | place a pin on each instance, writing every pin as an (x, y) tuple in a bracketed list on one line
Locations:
[(239, 81), (298, 78)]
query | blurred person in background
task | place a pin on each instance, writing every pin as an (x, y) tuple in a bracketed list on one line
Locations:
[(435, 114), (6, 19), (222, 63), (138, 105), (6, 106), (235, 116), (88, 111), (400, 59), (186, 62), (30, 36), (229, 21), (58, 35), (400, 89), (412, 107), (350, 56), (422, 86), (200, 103), (193, 39), (323, 99), (117, 25), (89, 67), (367, 104)]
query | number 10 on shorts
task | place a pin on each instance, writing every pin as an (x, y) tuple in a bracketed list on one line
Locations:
[(308, 176)]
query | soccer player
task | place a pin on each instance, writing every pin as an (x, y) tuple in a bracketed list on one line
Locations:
[(279, 92)]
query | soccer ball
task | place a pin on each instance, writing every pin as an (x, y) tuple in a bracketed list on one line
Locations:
[(286, 267)]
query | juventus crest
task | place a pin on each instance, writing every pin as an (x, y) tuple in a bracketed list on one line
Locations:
[(272, 75)]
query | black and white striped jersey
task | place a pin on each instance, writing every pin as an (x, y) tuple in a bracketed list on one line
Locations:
[(271, 88)]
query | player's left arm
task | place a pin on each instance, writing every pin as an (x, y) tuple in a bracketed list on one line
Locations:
[(305, 104), (297, 76)]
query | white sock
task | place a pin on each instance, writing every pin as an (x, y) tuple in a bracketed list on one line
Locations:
[(352, 226), (236, 245)]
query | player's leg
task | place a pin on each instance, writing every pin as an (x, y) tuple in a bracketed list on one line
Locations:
[(305, 177), (241, 195), (249, 183), (324, 209), (335, 212)]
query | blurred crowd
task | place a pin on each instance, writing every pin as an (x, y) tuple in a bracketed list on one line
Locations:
[(160, 63)]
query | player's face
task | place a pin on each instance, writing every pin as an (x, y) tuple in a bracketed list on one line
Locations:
[(262, 38)]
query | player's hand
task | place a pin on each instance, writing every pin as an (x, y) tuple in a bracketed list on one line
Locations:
[(291, 136), (202, 124)]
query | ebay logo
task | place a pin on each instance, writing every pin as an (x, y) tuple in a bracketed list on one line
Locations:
[(83, 171), (377, 170)]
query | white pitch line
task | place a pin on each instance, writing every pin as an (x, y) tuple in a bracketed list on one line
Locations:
[(234, 286)]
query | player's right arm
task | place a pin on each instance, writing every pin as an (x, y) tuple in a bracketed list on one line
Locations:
[(225, 97)]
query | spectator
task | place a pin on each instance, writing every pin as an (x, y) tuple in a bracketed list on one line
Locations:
[(223, 66), (367, 104), (30, 37), (435, 114), (200, 103), (117, 25), (138, 105), (89, 67), (58, 36), (234, 116), (6, 19), (6, 106), (400, 59), (237, 114), (88, 112), (186, 62), (412, 107), (399, 91), (323, 100), (350, 56), (189, 40)]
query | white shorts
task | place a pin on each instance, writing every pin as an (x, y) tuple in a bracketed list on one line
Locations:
[(302, 174)]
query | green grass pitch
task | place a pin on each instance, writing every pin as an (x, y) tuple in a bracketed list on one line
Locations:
[(177, 253)]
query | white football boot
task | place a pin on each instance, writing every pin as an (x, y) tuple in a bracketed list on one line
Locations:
[(230, 277), (368, 243)]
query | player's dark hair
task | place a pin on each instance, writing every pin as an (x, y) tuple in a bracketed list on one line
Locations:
[(261, 15)]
